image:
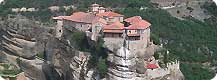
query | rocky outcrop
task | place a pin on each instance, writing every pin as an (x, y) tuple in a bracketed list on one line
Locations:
[(21, 41), (65, 62), (125, 66), (131, 64)]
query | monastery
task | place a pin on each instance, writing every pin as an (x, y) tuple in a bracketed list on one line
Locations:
[(128, 38), (99, 21)]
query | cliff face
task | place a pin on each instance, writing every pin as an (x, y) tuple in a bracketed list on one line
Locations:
[(21, 41), (64, 62), (126, 64), (123, 66), (19, 45)]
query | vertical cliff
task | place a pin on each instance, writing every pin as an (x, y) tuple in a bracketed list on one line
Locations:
[(23, 39)]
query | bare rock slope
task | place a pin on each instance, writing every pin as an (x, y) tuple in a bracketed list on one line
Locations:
[(22, 39)]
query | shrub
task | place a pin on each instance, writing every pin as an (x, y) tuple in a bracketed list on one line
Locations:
[(79, 40), (10, 72), (40, 55), (196, 72), (211, 8), (102, 67)]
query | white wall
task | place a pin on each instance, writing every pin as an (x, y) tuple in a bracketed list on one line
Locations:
[(113, 19), (1, 1), (59, 29), (131, 31), (96, 28), (215, 78), (215, 1)]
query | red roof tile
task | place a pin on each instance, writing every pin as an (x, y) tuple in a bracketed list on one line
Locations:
[(82, 17), (109, 14), (152, 66), (142, 24), (133, 20), (100, 20), (114, 26)]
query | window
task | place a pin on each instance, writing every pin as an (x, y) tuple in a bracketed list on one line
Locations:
[(142, 31), (111, 19)]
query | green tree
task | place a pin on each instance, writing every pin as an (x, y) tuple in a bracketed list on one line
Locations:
[(102, 67)]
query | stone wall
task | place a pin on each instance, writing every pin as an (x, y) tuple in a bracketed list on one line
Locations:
[(114, 19), (75, 25), (96, 29), (59, 29)]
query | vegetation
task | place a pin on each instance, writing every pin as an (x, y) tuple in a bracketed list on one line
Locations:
[(40, 55), (6, 66), (190, 40), (44, 14), (79, 41), (10, 72), (98, 58), (102, 67), (98, 52), (211, 8), (190, 70)]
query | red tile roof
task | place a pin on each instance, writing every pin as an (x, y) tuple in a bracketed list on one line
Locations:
[(114, 26), (151, 66), (137, 23), (142, 24), (82, 17), (109, 14), (133, 20), (100, 20)]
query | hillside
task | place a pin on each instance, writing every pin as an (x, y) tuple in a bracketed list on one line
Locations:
[(191, 41)]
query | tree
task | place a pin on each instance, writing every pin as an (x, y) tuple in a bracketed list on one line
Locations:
[(102, 67)]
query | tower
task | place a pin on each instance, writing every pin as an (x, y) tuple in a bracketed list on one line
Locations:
[(94, 8), (59, 29)]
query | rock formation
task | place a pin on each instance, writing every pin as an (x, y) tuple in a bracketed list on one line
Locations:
[(21, 41), (126, 64)]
